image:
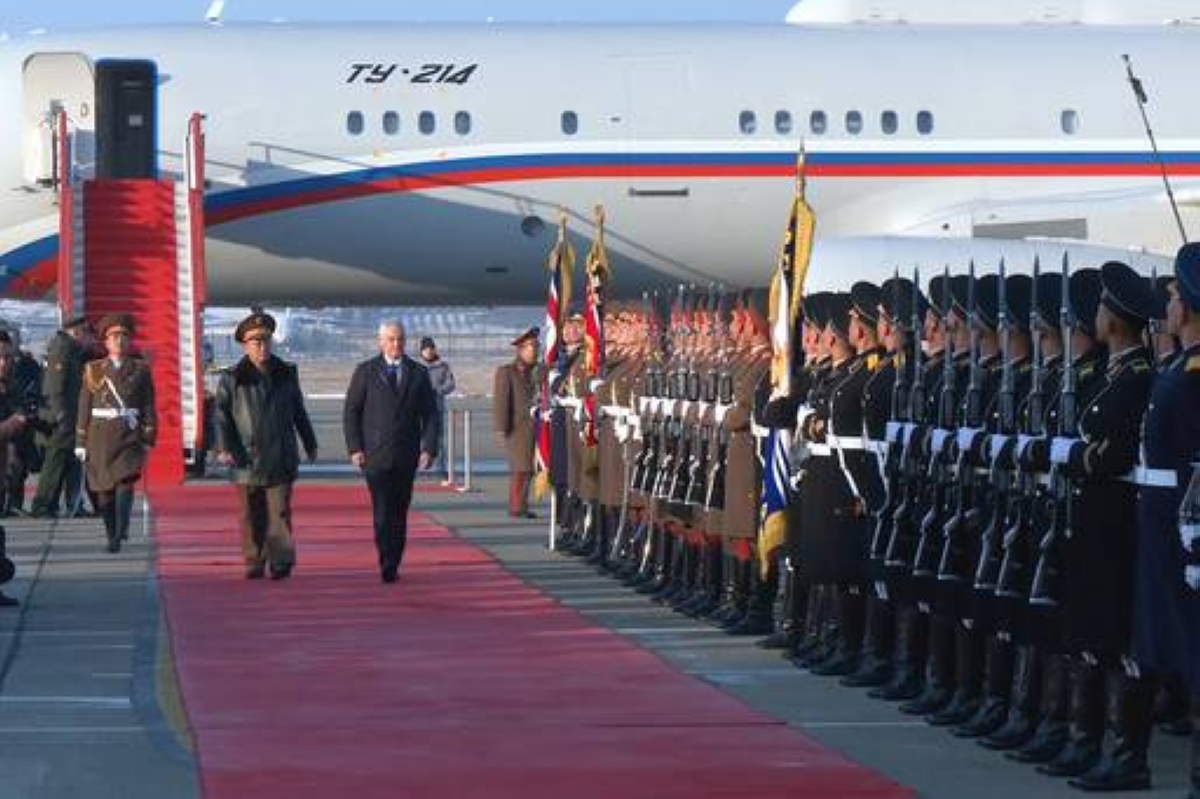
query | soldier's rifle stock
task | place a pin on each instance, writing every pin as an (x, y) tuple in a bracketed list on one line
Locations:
[(1047, 576), (907, 359), (953, 566), (1013, 581), (991, 551)]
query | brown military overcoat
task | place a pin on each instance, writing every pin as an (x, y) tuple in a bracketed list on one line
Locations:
[(116, 420)]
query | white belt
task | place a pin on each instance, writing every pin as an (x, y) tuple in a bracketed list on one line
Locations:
[(847, 443), (106, 413), (758, 431), (880, 448), (1154, 478), (616, 411), (820, 450)]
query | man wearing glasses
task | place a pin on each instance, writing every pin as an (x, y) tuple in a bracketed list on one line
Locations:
[(259, 414)]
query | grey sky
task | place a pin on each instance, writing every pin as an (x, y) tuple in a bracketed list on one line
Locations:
[(19, 16)]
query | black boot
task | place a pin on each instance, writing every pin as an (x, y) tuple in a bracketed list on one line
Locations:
[(728, 606), (939, 669), (760, 610), (1195, 792), (997, 674), (851, 610), (1018, 728), (1131, 720), (875, 663), (1087, 723), (109, 514), (968, 678), (791, 627), (1053, 727), (908, 658), (1172, 707)]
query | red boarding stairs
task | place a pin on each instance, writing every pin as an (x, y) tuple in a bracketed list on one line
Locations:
[(137, 247)]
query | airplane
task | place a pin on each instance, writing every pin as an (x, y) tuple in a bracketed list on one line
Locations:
[(426, 163)]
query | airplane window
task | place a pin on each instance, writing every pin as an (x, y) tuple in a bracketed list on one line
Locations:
[(854, 123), (924, 122), (1070, 122), (354, 123), (462, 123), (391, 123), (426, 122), (570, 123), (783, 122), (747, 122), (889, 122), (817, 122)]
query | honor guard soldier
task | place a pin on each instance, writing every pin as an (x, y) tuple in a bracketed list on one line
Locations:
[(1071, 726), (1166, 624), (116, 425), (1100, 554), (513, 395), (887, 392), (12, 422), (65, 356), (743, 475)]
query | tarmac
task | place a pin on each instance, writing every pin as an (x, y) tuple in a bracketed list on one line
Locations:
[(88, 704)]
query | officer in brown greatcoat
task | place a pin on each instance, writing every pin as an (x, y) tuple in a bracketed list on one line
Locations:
[(116, 425), (514, 394)]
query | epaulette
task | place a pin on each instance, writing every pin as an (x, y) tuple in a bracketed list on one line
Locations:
[(1141, 366), (873, 362), (1087, 370), (1192, 364)]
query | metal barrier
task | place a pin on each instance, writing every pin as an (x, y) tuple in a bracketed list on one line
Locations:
[(452, 414)]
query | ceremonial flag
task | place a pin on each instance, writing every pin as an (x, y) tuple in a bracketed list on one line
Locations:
[(558, 296), (598, 271), (787, 289)]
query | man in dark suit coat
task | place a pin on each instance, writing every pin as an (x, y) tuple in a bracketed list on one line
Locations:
[(390, 423)]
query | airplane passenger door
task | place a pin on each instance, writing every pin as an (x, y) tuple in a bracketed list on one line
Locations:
[(56, 82)]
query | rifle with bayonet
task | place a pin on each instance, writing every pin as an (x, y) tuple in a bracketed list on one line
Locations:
[(677, 389), (940, 473), (956, 544), (650, 392), (677, 489), (1046, 588), (697, 476), (907, 360), (1013, 582), (714, 495), (991, 551)]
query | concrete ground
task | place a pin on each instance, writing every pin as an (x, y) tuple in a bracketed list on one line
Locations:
[(88, 705)]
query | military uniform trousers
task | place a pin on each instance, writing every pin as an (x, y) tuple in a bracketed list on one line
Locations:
[(266, 524)]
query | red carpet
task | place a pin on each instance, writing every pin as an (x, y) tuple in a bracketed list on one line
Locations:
[(459, 681)]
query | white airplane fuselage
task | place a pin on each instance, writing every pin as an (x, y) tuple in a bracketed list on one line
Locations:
[(686, 134)]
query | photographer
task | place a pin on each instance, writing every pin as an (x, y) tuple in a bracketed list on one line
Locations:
[(13, 423)]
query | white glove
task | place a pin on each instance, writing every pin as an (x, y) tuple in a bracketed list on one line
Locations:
[(81, 454), (1024, 442), (1060, 449), (967, 437), (1189, 534), (1192, 575), (937, 444)]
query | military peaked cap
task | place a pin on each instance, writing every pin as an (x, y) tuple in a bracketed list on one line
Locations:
[(258, 320), (1187, 273), (987, 299), (529, 335), (1126, 293), (816, 309), (960, 292), (115, 321), (899, 309), (864, 300), (74, 322)]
